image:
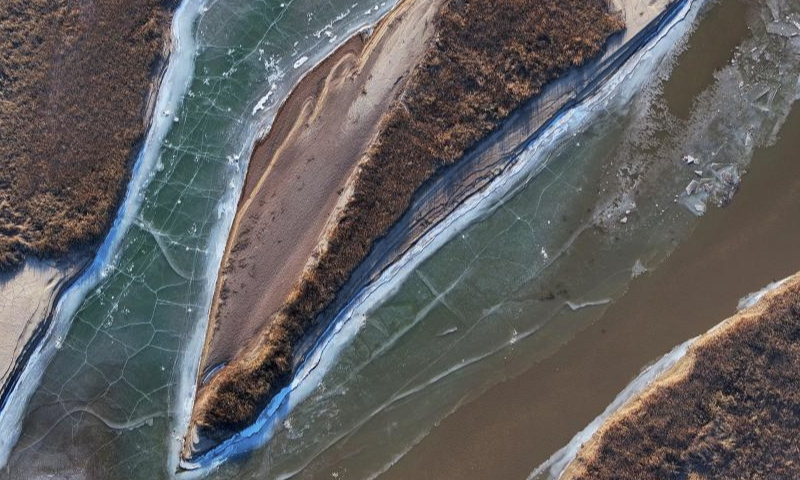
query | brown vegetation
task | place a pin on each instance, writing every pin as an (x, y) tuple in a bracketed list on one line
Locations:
[(74, 78), (734, 414), (490, 56)]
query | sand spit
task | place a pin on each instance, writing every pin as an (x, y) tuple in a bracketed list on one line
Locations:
[(281, 224), (299, 175), (729, 408), (233, 397)]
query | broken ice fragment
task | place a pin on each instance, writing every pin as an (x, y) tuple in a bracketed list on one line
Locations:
[(700, 207), (638, 269), (692, 187), (299, 63)]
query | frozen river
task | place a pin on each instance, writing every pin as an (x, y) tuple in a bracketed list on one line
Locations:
[(603, 196)]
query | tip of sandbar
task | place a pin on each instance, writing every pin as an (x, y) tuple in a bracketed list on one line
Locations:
[(195, 445)]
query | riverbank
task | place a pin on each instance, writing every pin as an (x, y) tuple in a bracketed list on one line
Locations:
[(71, 119), (432, 130), (71, 124), (727, 409)]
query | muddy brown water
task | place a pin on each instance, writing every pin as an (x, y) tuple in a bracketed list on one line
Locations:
[(712, 46)]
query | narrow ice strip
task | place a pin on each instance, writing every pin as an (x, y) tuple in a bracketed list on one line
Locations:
[(172, 89), (554, 467), (575, 306), (749, 300), (619, 89), (262, 102), (300, 62)]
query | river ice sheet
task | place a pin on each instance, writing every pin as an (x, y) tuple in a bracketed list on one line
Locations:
[(108, 391), (110, 402), (500, 276)]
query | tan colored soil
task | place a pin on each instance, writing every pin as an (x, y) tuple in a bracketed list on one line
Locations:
[(298, 176), (26, 298), (638, 13)]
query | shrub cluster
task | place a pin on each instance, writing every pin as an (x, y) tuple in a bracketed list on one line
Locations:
[(735, 415), (488, 57), (74, 78)]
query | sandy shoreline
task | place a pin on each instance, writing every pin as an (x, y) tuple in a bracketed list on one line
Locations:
[(298, 176), (27, 298)]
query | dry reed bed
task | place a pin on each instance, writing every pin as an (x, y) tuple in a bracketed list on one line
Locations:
[(488, 58), (732, 411), (74, 79)]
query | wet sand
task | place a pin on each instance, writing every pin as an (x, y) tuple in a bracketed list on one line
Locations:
[(299, 175), (638, 13), (515, 426)]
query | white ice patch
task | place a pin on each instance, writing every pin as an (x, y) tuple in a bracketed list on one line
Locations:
[(638, 269), (751, 299), (299, 63), (447, 332), (262, 103), (575, 306)]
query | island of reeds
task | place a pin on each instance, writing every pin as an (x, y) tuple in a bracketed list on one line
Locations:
[(486, 59)]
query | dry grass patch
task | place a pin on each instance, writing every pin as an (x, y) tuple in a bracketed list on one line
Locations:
[(74, 78)]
